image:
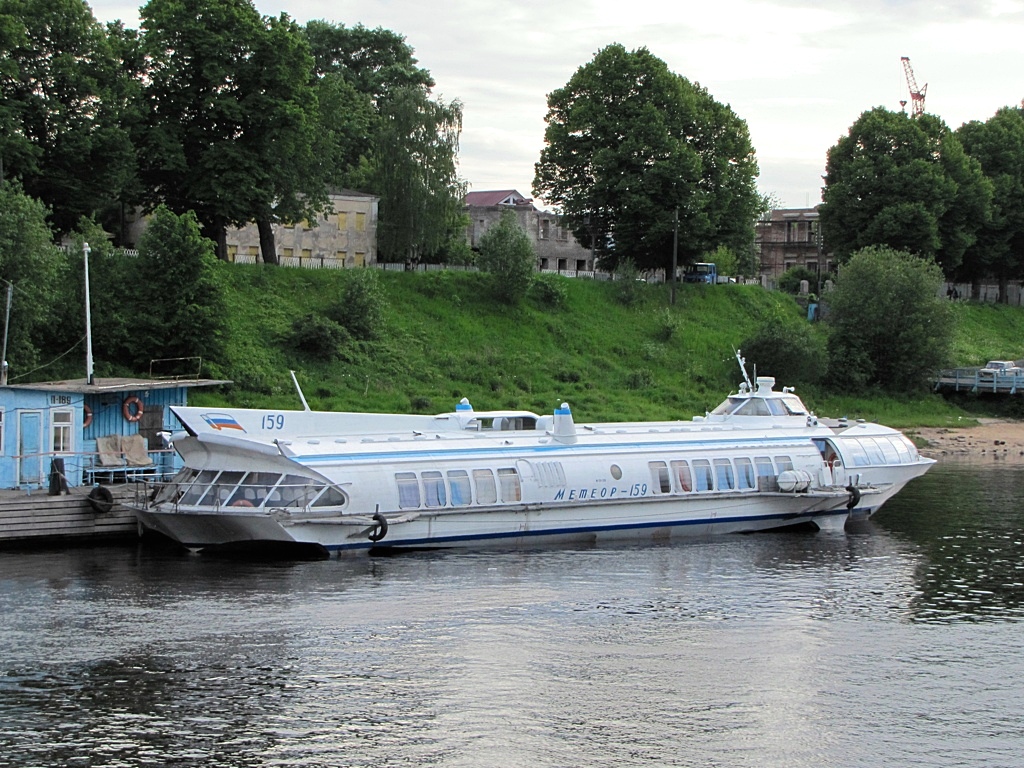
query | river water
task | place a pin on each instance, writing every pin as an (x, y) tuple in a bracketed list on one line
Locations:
[(900, 643)]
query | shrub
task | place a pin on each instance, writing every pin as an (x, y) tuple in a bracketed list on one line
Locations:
[(318, 337), (888, 325), (549, 291), (641, 379), (788, 351), (507, 255), (362, 306), (789, 281), (666, 324), (627, 283)]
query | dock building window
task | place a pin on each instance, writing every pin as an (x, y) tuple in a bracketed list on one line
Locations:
[(62, 431)]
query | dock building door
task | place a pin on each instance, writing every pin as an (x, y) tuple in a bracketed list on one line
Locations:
[(30, 448)]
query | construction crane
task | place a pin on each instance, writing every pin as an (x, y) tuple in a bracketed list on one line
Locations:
[(916, 96)]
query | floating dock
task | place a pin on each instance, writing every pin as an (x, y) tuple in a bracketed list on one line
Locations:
[(37, 519)]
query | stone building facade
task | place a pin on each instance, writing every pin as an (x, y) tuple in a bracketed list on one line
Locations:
[(347, 237), (556, 248), (790, 237)]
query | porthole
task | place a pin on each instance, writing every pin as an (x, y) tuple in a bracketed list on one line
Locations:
[(616, 472)]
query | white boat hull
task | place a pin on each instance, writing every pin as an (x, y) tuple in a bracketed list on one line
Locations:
[(648, 519)]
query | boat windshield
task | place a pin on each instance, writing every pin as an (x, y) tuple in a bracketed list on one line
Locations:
[(209, 488), (747, 405)]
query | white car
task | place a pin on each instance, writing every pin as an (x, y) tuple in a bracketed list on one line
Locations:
[(995, 368)]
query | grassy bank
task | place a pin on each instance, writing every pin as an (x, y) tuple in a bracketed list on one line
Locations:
[(443, 338)]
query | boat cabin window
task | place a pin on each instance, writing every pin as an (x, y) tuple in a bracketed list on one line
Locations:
[(703, 479), (881, 450), (724, 475), (900, 444), (293, 491), (745, 474), (408, 490), (766, 477), (200, 485), (511, 490), (330, 497), (794, 405), (874, 450), (755, 406), (458, 479), (681, 470), (860, 456), (434, 494), (659, 477), (784, 463), (486, 491)]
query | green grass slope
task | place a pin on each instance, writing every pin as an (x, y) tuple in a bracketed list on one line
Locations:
[(444, 338)]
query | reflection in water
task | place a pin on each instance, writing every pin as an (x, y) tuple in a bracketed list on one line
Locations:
[(895, 644)]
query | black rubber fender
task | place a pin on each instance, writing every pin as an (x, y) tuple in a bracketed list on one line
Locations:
[(380, 530), (101, 500), (854, 496)]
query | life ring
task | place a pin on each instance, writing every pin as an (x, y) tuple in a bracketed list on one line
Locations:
[(380, 530), (86, 416), (126, 409), (101, 499), (854, 496), (241, 503)]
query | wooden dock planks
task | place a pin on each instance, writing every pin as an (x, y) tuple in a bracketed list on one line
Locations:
[(36, 518)]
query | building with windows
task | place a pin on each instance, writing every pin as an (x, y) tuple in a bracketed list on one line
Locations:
[(346, 237), (790, 237), (555, 246)]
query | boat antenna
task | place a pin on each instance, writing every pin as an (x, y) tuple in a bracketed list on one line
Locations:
[(743, 368), (305, 405)]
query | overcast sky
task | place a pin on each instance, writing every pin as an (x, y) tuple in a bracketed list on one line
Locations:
[(798, 72)]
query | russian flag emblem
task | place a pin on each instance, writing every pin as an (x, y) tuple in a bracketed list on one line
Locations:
[(221, 421)]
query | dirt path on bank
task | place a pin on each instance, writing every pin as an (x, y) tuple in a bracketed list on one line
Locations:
[(991, 440)]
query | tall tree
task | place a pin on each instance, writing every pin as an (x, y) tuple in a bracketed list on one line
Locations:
[(629, 143), (998, 145), (31, 265), (416, 174), (905, 183), (231, 115), (59, 108), (376, 62)]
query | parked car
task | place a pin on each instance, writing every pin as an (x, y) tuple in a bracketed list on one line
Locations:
[(995, 368)]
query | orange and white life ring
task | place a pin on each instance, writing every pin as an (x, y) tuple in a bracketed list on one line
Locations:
[(127, 406), (86, 416), (241, 503)]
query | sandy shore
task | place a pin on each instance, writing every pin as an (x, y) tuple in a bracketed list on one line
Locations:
[(991, 440)]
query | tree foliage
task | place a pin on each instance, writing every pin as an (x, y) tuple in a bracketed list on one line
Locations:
[(905, 183), (998, 145), (416, 175), (176, 281), (508, 256), (61, 89), (231, 115), (31, 265), (889, 328), (628, 142)]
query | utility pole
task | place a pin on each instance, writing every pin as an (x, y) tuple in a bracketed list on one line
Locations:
[(675, 255), (88, 320)]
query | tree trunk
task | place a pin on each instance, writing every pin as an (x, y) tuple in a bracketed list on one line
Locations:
[(1004, 290), (268, 248)]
